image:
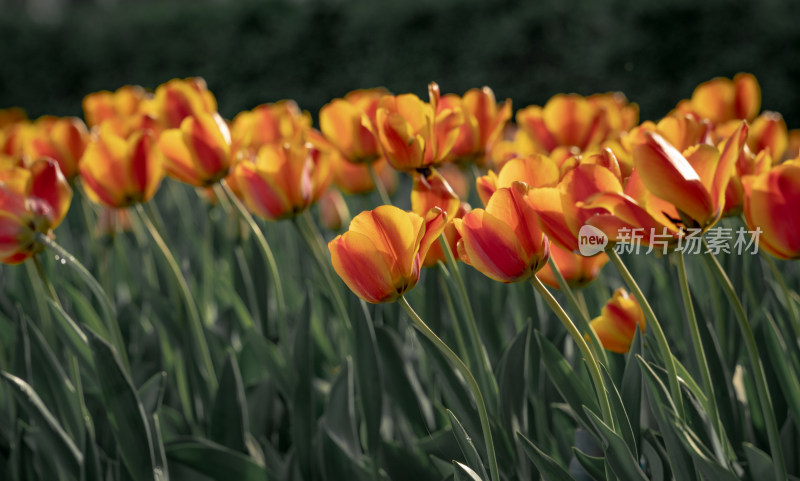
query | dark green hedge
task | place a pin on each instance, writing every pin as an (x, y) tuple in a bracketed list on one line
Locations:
[(252, 52)]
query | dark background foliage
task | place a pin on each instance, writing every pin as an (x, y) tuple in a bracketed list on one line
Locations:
[(253, 52)]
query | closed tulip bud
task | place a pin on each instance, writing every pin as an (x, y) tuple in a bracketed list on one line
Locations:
[(198, 153), (770, 204), (283, 181), (616, 325), (120, 172), (380, 256), (504, 241)]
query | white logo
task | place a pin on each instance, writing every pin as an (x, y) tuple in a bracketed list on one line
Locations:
[(591, 240)]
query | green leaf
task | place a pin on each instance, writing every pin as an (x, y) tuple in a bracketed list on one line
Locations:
[(337, 460), (618, 455), (631, 387), (368, 377), (706, 464), (229, 419), (152, 392), (464, 473), (302, 407), (759, 464), (547, 466), (340, 412), (214, 461), (62, 447), (778, 354), (593, 465), (261, 358), (471, 456), (125, 411), (402, 463), (511, 379), (621, 420), (86, 313), (73, 337)]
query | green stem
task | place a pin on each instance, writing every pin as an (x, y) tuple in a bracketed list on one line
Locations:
[(760, 379), (378, 184), (583, 317), (700, 354), (97, 290), (263, 244), (586, 351), (484, 367), (444, 280), (473, 385), (652, 323), (196, 330)]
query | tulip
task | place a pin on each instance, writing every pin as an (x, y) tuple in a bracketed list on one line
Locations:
[(349, 125), (535, 170), (32, 201), (178, 99), (274, 123), (770, 204), (283, 181), (11, 116), (414, 134), (576, 269), (355, 178), (483, 125), (380, 256), (721, 100), (117, 106), (118, 172), (769, 132), (198, 153), (616, 325), (433, 191), (504, 241), (61, 139), (333, 211)]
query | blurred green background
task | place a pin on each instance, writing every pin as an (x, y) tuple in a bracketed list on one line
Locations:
[(253, 52)]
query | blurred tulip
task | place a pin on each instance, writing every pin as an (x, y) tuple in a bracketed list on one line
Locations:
[(274, 123), (178, 99), (504, 241), (413, 134), (32, 200), (120, 105), (198, 153), (380, 256), (61, 139), (721, 99), (747, 164), (110, 221), (333, 211), (770, 204), (768, 132), (120, 172), (458, 179), (577, 270), (616, 325), (11, 116), (283, 181), (349, 124), (483, 125), (355, 179)]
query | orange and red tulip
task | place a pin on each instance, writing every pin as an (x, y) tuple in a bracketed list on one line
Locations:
[(768, 132), (770, 204), (616, 325), (283, 180), (355, 178), (504, 241), (349, 124), (120, 172), (102, 106), (536, 170), (414, 134), (576, 269), (433, 191), (178, 99), (333, 211), (198, 153), (483, 125), (721, 99), (61, 139), (274, 123), (380, 256)]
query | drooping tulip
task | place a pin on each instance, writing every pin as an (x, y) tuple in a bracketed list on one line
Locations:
[(616, 325), (504, 241), (380, 255), (118, 172), (770, 204)]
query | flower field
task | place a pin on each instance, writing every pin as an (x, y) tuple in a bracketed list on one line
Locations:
[(409, 288)]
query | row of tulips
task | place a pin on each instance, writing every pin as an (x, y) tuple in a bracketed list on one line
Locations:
[(575, 161)]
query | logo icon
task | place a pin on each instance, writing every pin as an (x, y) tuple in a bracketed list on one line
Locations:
[(591, 241)]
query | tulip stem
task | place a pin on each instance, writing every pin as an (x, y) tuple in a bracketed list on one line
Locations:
[(378, 184), (200, 345), (652, 323), (586, 351), (760, 379), (108, 308), (484, 367), (266, 251), (700, 353), (583, 317), (470, 379)]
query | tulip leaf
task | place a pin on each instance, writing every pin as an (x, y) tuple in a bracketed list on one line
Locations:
[(229, 419), (759, 464), (56, 438), (547, 466), (704, 458), (151, 392), (340, 412), (261, 358), (368, 376), (402, 463), (471, 456), (337, 460), (631, 388), (214, 461), (302, 408), (621, 420), (512, 376), (73, 337), (463, 472), (778, 354), (593, 465)]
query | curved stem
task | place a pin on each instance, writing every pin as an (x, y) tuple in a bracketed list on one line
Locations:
[(652, 323), (108, 308), (586, 351), (473, 385), (484, 367), (378, 184), (760, 379), (583, 317), (269, 257), (199, 344), (700, 354)]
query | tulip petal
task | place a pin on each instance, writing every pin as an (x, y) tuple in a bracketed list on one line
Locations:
[(362, 267)]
